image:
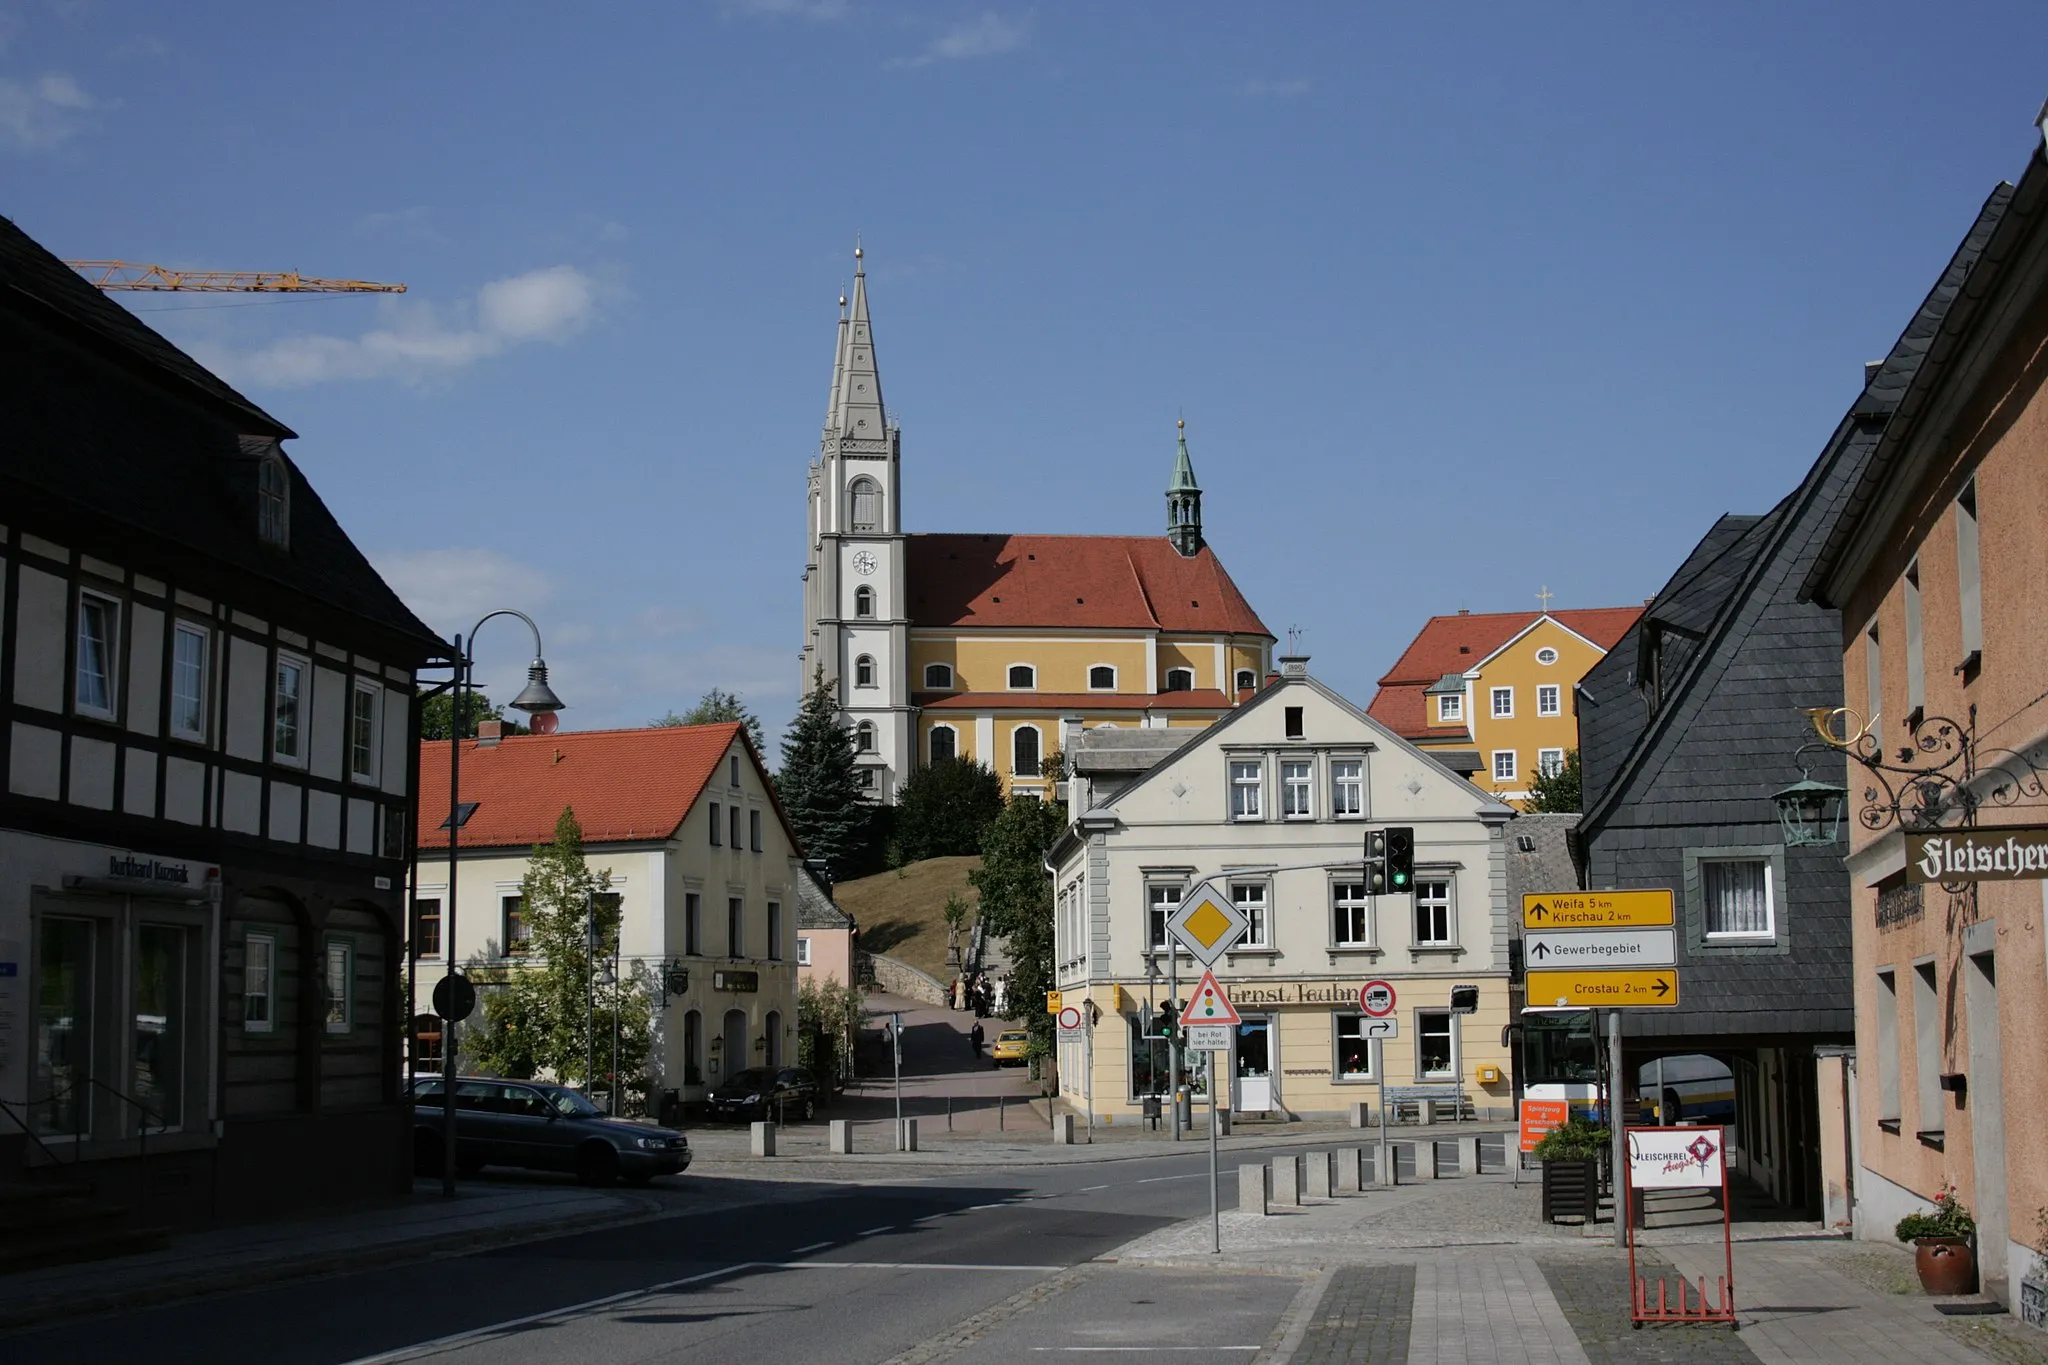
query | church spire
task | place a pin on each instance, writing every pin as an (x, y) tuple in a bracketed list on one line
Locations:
[(838, 375), (857, 413), (1184, 502)]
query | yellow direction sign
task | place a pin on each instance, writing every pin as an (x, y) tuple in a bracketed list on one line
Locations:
[(1596, 909), (1654, 988)]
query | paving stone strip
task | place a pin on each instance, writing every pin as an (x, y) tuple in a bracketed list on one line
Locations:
[(1365, 1318), (1594, 1297)]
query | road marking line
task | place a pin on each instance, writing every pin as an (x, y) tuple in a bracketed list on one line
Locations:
[(1154, 1180), (874, 1232), (1090, 1189), (979, 1207), (815, 1246)]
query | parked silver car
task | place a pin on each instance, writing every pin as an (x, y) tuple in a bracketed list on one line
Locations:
[(541, 1127)]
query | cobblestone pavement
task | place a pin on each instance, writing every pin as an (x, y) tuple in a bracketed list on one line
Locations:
[(1365, 1318), (1593, 1297)]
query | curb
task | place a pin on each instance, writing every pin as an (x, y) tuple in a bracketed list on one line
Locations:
[(70, 1305)]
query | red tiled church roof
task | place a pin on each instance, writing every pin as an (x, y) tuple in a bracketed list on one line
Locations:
[(1453, 644), (1073, 582), (623, 784)]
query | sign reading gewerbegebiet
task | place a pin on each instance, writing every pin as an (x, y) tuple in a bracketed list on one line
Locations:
[(2014, 853)]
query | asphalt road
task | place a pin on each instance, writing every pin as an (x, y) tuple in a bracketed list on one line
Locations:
[(825, 1274)]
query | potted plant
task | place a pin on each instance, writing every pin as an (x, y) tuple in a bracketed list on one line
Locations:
[(1570, 1154), (1941, 1245)]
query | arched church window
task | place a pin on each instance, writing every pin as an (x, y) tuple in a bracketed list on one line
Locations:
[(867, 505), (1024, 751), (863, 601), (938, 676), (1023, 676), (945, 743), (1102, 678), (1246, 680), (864, 737), (864, 672), (1180, 680)]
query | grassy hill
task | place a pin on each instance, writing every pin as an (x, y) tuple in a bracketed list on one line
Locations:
[(903, 913)]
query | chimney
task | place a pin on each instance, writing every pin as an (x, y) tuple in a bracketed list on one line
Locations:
[(1245, 694), (1272, 679), (1464, 611), (1294, 665), (489, 732)]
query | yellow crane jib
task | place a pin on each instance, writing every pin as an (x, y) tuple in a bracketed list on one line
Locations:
[(110, 276)]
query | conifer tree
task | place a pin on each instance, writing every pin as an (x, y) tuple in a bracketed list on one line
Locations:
[(817, 785)]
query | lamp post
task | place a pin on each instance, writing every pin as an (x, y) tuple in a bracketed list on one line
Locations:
[(538, 700)]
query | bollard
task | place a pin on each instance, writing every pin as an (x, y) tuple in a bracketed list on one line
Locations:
[(906, 1135), (1287, 1181), (1322, 1175), (999, 1113), (949, 1113), (1361, 1115), (1063, 1130), (1254, 1188), (1468, 1156), (1223, 1123), (764, 1139), (842, 1137), (1425, 1158), (1350, 1170)]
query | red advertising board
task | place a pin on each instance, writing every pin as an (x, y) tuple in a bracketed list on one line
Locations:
[(1539, 1117)]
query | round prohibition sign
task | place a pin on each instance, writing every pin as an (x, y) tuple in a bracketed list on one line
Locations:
[(1376, 998), (1070, 1018)]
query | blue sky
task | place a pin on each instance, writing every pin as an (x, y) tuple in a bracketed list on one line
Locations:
[(1458, 301)]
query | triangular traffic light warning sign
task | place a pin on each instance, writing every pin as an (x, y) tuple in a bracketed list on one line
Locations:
[(1209, 1005)]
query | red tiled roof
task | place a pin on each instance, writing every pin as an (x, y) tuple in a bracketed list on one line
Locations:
[(623, 784), (1453, 644), (1204, 699), (1073, 582)]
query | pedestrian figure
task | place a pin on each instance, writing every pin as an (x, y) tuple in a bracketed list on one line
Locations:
[(974, 1038)]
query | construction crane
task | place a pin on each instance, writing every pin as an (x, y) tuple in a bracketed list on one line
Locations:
[(110, 276)]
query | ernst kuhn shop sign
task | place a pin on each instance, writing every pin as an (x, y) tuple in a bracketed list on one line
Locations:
[(2019, 853)]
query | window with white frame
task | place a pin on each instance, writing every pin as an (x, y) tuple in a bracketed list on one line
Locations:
[(1161, 900), (1351, 1059), (340, 982), (1245, 790), (259, 984), (1503, 702), (1436, 1045), (945, 743), (864, 737), (867, 505), (1024, 755), (1251, 898), (1504, 769), (1297, 790), (1023, 677), (1450, 706), (864, 671), (1737, 896), (512, 920), (1434, 922), (1549, 762), (803, 950), (1546, 656), (864, 602), (362, 731), (1549, 700), (1102, 678), (1347, 788), (1350, 915), (1246, 680), (1180, 680), (99, 632), (287, 707), (938, 677), (189, 669)]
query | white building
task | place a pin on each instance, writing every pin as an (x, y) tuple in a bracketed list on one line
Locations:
[(1273, 802)]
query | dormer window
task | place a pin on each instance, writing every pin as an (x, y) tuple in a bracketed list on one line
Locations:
[(1180, 680), (273, 501)]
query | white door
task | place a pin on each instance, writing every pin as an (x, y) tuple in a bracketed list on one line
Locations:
[(1253, 1059)]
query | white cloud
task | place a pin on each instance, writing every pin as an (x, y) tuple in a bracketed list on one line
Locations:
[(986, 35), (1288, 89), (541, 305), (39, 113), (450, 588)]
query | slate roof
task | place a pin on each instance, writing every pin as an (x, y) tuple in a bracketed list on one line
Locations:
[(1121, 751), (110, 424), (1546, 865), (624, 785), (1451, 645), (815, 908), (1072, 583)]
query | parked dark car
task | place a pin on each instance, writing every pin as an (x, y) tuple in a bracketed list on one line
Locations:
[(541, 1127), (759, 1093)]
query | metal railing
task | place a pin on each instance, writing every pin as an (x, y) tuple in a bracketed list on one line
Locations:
[(144, 1115)]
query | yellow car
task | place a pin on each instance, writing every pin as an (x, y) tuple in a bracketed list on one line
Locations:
[(1009, 1048)]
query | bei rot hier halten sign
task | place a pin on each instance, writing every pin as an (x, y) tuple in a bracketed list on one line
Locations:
[(1674, 1158)]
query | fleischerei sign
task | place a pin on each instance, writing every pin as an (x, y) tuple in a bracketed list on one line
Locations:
[(1674, 1158), (2012, 853)]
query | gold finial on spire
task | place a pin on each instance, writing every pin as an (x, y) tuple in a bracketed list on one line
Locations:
[(1182, 424)]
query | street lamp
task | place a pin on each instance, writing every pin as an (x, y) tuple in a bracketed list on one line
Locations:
[(539, 701), (1810, 812)]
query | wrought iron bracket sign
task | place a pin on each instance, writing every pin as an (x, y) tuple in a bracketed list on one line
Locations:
[(1939, 780)]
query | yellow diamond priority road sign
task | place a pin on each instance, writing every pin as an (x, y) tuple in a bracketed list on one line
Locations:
[(1207, 924)]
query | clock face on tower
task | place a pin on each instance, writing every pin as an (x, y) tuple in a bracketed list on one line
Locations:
[(864, 562)]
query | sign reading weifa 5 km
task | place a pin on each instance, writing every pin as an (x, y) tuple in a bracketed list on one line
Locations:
[(1596, 910)]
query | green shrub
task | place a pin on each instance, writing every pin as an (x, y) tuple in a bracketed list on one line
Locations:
[(1949, 1219), (1575, 1139)]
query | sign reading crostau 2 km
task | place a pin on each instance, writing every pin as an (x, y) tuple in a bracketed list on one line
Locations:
[(1978, 855), (1596, 909), (1656, 988), (1674, 1158)]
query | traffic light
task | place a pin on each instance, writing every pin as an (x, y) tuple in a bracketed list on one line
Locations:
[(1375, 862), (1169, 1020), (1400, 860)]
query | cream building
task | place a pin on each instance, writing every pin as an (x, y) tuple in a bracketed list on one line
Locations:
[(985, 645), (1273, 802), (705, 868)]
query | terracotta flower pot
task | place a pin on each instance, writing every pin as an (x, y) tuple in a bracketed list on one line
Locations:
[(1946, 1265)]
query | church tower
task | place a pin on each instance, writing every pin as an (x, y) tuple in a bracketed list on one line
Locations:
[(855, 614), (1184, 503)]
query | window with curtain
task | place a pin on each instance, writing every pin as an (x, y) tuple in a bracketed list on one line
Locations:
[(1347, 787), (1245, 791), (1161, 900), (1737, 893)]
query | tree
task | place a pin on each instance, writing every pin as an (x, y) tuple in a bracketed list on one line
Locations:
[(944, 807), (832, 1010), (1016, 901), (436, 713), (956, 922), (716, 706), (542, 1019), (1558, 792), (819, 791)]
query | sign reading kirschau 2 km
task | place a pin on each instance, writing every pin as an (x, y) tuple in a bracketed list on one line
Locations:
[(1596, 909)]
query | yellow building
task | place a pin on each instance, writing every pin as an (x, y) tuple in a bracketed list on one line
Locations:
[(991, 647), (1491, 694)]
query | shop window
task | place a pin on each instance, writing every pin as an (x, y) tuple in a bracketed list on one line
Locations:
[(1435, 1045), (1352, 1060)]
